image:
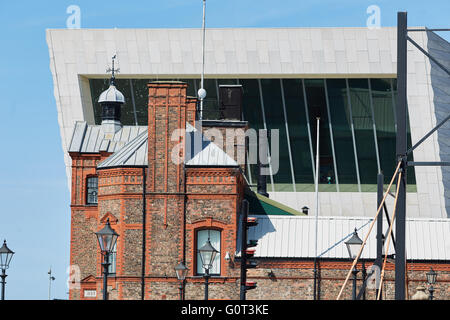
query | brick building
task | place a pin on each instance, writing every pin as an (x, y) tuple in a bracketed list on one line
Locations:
[(164, 209)]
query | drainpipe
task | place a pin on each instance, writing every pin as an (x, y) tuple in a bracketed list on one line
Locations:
[(143, 233)]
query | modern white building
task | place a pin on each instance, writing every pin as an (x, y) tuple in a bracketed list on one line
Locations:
[(347, 76)]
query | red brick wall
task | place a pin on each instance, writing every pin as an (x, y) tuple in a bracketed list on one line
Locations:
[(83, 243), (165, 199)]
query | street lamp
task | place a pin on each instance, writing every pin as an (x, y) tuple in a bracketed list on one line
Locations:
[(6, 255), (107, 238), (431, 279), (353, 244), (181, 271), (207, 255)]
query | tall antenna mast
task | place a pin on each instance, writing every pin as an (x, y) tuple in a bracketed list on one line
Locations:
[(202, 91), (50, 279)]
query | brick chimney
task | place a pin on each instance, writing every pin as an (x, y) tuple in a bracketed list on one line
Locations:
[(168, 109)]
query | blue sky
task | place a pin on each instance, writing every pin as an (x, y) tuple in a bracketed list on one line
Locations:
[(34, 198)]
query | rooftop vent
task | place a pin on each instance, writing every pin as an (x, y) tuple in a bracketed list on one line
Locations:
[(230, 102)]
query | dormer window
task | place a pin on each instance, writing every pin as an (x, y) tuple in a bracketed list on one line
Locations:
[(92, 191)]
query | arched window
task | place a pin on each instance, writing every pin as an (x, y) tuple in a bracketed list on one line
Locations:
[(91, 190), (112, 259), (214, 238)]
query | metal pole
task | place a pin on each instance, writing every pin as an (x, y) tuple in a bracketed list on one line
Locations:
[(206, 283), (379, 259), (105, 265), (317, 209), (144, 226), (431, 289), (355, 272), (181, 290), (3, 283), (50, 279), (203, 59), (364, 276), (244, 216), (401, 151)]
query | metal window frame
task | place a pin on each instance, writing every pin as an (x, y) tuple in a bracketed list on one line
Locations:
[(265, 127), (305, 102), (287, 134), (374, 126), (248, 164), (352, 127), (133, 102), (331, 135), (393, 104)]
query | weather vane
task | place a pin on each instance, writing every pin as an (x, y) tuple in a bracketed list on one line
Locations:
[(113, 71)]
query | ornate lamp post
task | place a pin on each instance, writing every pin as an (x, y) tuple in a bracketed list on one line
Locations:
[(207, 255), (353, 244), (107, 238), (5, 258), (431, 279), (181, 271)]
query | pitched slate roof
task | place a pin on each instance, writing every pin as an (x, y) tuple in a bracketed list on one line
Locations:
[(134, 153), (91, 138), (209, 154), (129, 146)]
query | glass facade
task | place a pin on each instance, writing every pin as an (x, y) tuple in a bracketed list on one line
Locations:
[(356, 130)]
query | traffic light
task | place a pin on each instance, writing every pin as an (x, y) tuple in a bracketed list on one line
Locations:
[(247, 250)]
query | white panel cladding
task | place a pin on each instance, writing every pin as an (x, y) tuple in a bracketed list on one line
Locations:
[(362, 204), (76, 55)]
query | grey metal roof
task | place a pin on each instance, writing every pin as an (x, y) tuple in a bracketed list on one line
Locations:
[(129, 146), (208, 155), (112, 94), (294, 237), (134, 153), (91, 138)]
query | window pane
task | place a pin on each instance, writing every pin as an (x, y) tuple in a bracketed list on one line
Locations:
[(141, 100), (210, 103), (410, 173), (385, 124), (113, 260), (298, 134), (202, 237), (315, 94), (342, 134), (251, 105), (273, 107), (365, 143), (92, 190)]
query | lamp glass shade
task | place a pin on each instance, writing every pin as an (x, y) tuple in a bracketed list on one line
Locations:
[(431, 276), (181, 271), (107, 238), (6, 255), (207, 254), (353, 244)]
